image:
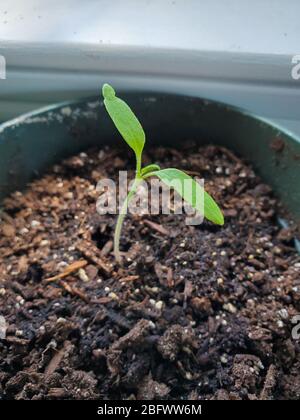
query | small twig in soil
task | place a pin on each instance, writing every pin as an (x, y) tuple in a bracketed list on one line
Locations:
[(17, 341), (17, 249), (157, 227), (128, 279), (68, 270), (74, 291), (102, 300), (92, 253)]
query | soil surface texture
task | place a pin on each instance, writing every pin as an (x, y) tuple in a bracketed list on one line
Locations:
[(195, 312)]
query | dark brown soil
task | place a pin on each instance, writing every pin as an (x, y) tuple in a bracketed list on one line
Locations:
[(198, 312)]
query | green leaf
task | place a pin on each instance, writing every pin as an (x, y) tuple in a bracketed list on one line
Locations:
[(189, 191), (124, 119), (150, 168)]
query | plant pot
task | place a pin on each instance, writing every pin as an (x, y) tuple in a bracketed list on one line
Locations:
[(194, 312), (32, 142)]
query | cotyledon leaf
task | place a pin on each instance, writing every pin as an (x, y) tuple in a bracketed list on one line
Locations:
[(124, 119), (192, 192)]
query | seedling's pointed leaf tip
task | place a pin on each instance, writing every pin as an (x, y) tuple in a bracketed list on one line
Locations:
[(212, 211), (124, 119), (108, 91)]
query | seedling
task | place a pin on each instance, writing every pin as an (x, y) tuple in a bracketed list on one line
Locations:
[(132, 132)]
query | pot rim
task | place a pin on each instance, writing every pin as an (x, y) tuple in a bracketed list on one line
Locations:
[(55, 106)]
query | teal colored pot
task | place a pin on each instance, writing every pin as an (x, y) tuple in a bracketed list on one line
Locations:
[(33, 142)]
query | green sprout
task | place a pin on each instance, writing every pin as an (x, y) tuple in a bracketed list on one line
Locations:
[(132, 132)]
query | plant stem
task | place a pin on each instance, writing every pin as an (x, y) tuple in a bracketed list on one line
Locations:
[(123, 211), (119, 224), (138, 166)]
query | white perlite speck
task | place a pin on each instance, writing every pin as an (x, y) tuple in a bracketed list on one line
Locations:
[(230, 308), (159, 304), (3, 327), (83, 276)]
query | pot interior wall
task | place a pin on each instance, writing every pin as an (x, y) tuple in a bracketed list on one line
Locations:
[(30, 143)]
